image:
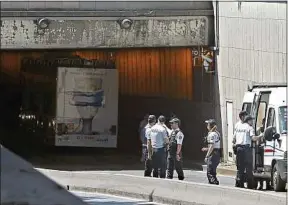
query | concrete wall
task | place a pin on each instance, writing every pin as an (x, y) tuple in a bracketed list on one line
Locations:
[(105, 32), (252, 48)]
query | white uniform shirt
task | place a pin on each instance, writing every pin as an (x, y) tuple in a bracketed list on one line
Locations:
[(167, 129), (157, 134), (215, 139), (147, 130), (243, 134), (179, 137)]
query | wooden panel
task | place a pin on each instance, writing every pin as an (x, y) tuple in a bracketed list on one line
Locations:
[(10, 62), (151, 72), (159, 72)]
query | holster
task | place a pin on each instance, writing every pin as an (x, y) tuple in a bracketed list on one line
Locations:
[(235, 149)]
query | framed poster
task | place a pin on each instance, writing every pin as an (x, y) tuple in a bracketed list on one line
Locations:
[(87, 107)]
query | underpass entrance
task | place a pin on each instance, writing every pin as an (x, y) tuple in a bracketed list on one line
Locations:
[(150, 80)]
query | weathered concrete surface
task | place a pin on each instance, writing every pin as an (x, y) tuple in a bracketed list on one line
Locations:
[(252, 48), (22, 184), (105, 32), (164, 190)]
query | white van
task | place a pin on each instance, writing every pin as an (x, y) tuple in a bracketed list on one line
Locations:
[(267, 103)]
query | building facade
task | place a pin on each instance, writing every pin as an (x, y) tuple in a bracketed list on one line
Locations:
[(252, 39)]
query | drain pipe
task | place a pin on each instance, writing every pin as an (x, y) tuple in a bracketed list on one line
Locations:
[(216, 26)]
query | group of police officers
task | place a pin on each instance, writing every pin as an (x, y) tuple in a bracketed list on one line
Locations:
[(162, 148)]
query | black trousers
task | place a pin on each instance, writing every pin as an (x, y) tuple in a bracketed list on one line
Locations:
[(244, 165), (212, 164), (173, 163), (158, 162), (148, 165)]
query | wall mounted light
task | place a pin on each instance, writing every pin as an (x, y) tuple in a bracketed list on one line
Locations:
[(125, 23), (42, 23)]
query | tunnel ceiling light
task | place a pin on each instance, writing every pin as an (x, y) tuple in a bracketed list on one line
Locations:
[(43, 23), (125, 23)]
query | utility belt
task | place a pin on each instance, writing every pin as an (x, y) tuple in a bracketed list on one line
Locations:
[(172, 149), (215, 151), (243, 146)]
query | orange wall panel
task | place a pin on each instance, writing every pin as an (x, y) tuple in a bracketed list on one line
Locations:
[(151, 72)]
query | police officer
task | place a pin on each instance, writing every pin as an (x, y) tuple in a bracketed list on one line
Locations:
[(260, 151), (143, 138), (213, 151), (162, 120), (157, 140), (242, 115), (148, 160), (244, 135), (174, 159)]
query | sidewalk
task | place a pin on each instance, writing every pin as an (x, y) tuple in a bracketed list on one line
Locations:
[(227, 169)]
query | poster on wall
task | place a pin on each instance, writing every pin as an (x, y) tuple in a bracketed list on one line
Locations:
[(87, 107)]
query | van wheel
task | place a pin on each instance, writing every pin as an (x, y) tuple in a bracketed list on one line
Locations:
[(277, 183)]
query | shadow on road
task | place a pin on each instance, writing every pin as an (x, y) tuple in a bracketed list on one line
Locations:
[(96, 161)]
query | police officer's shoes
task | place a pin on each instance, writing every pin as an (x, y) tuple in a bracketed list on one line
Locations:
[(215, 183)]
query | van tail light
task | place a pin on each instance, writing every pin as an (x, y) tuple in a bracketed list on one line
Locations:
[(268, 150)]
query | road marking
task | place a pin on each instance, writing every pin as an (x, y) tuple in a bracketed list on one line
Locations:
[(95, 194)]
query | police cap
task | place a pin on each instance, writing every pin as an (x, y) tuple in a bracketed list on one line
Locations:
[(151, 118), (243, 113), (248, 117), (211, 122), (175, 120), (161, 119)]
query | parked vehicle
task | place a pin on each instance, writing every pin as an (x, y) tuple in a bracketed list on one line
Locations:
[(267, 103)]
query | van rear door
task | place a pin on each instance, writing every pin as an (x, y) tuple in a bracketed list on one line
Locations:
[(248, 99)]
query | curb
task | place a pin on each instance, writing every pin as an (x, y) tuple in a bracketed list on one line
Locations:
[(146, 197), (226, 171), (164, 191), (222, 171)]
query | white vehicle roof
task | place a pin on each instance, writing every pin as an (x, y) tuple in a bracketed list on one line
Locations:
[(277, 97)]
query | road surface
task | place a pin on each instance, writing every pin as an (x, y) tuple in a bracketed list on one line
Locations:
[(190, 175), (103, 199)]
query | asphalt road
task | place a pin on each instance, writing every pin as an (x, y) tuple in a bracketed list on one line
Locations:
[(193, 176), (103, 199), (190, 175)]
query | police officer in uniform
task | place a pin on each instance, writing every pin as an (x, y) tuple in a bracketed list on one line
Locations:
[(162, 120), (157, 140), (244, 135), (174, 159), (213, 151), (143, 138), (242, 115), (148, 159)]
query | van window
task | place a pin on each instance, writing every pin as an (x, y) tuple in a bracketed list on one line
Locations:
[(247, 107), (271, 121), (283, 119), (261, 114)]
